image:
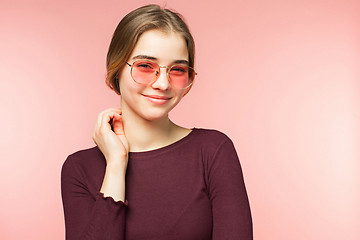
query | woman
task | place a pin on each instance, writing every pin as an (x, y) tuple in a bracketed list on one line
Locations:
[(149, 178)]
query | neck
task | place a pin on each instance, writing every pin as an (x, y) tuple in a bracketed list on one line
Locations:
[(145, 135)]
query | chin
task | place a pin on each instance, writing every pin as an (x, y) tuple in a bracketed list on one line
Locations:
[(155, 115)]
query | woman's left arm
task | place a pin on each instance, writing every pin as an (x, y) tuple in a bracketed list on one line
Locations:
[(227, 192)]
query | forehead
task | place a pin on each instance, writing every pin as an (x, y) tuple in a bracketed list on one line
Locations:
[(166, 47)]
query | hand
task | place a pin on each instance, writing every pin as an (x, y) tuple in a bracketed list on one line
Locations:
[(112, 143)]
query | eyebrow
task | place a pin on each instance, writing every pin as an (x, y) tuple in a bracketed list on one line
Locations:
[(154, 59)]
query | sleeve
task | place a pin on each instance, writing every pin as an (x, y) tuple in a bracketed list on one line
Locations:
[(88, 217), (230, 205)]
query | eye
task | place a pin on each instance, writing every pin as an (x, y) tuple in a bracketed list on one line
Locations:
[(144, 66), (179, 70)]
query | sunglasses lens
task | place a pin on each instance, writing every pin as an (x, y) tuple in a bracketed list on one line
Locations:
[(181, 76), (144, 72)]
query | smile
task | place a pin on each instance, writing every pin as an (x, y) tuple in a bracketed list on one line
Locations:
[(156, 99)]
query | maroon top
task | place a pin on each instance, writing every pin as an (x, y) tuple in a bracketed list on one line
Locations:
[(191, 189)]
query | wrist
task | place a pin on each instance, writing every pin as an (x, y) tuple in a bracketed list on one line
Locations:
[(116, 157), (116, 167)]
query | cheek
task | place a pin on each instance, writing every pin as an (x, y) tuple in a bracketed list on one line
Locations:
[(129, 88), (124, 72), (182, 93), (125, 80)]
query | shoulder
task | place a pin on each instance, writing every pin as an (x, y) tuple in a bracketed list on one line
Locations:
[(211, 141), (218, 152), (84, 159), (211, 136)]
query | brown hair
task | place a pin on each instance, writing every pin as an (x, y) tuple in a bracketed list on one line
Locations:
[(129, 30)]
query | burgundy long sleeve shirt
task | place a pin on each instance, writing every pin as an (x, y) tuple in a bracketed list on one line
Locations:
[(191, 189)]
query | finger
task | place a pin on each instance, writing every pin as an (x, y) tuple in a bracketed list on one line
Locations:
[(97, 124), (104, 119), (117, 110), (118, 126)]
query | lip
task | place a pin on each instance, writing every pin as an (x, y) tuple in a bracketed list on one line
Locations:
[(157, 99)]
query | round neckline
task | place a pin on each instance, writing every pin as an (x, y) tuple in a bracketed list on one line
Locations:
[(163, 149)]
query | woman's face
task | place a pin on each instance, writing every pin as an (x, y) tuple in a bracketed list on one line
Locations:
[(153, 102)]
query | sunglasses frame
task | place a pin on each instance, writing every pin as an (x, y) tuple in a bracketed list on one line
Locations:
[(168, 68)]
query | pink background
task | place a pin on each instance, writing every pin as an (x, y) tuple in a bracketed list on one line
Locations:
[(281, 78)]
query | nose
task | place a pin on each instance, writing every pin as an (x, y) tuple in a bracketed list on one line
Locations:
[(162, 81)]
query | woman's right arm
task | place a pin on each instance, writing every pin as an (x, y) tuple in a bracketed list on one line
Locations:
[(115, 148), (104, 216)]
